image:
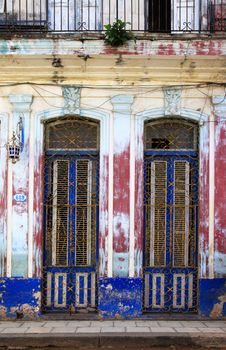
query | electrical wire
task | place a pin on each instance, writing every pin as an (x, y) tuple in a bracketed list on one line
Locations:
[(147, 89)]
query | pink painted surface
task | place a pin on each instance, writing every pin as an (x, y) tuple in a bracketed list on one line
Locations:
[(121, 207), (169, 48), (103, 231), (220, 187), (143, 47), (203, 219), (139, 209), (38, 215)]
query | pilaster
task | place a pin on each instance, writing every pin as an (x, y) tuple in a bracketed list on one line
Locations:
[(121, 184), (19, 196)]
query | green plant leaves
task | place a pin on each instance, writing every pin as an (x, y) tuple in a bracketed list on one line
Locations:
[(116, 33)]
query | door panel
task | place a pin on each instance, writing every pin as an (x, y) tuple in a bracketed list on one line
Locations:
[(170, 210), (71, 222)]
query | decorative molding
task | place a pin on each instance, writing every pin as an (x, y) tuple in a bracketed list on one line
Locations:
[(122, 103), (219, 105), (154, 114), (105, 263), (72, 96), (172, 97), (21, 103), (157, 113)]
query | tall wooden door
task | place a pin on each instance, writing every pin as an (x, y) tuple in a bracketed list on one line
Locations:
[(171, 218), (70, 221)]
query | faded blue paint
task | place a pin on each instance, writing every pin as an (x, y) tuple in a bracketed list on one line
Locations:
[(212, 296), (120, 297), (19, 263), (4, 47), (20, 297), (2, 252), (21, 109)]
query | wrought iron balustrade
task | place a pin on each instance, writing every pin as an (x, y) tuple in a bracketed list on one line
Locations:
[(71, 16)]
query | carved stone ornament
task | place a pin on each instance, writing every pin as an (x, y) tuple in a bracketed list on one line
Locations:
[(172, 96), (72, 96)]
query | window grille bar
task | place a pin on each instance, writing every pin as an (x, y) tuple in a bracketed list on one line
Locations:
[(64, 16)]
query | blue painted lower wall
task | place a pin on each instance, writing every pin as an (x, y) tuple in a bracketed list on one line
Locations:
[(119, 298), (212, 298), (20, 298)]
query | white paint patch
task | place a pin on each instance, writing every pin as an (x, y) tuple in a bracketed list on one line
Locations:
[(211, 194), (9, 206), (121, 224), (220, 263), (3, 189), (121, 264), (122, 133), (138, 257), (203, 257), (31, 197), (110, 197)]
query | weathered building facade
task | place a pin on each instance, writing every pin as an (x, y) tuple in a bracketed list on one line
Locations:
[(112, 187)]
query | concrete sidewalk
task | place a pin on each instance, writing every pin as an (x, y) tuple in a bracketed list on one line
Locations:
[(113, 333)]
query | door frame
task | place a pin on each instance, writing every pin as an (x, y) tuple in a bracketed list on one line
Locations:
[(36, 226), (72, 157), (168, 272), (204, 186)]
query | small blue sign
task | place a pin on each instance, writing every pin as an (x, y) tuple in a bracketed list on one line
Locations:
[(20, 197)]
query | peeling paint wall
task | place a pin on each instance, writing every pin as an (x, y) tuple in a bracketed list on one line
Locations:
[(124, 85), (20, 298), (220, 189), (120, 298), (212, 298), (203, 238), (121, 178), (3, 192)]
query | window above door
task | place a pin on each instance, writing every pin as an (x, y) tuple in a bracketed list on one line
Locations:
[(170, 134), (72, 134)]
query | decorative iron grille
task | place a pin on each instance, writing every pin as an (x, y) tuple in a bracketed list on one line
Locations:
[(63, 16), (171, 216), (71, 215)]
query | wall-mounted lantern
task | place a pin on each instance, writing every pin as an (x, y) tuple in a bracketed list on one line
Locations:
[(15, 144)]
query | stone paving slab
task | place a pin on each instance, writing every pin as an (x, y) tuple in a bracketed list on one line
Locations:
[(116, 325), (114, 333), (87, 330)]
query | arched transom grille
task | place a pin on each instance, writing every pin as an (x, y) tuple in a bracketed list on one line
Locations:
[(72, 134), (170, 134)]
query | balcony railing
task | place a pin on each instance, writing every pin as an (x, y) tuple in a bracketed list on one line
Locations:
[(71, 16)]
